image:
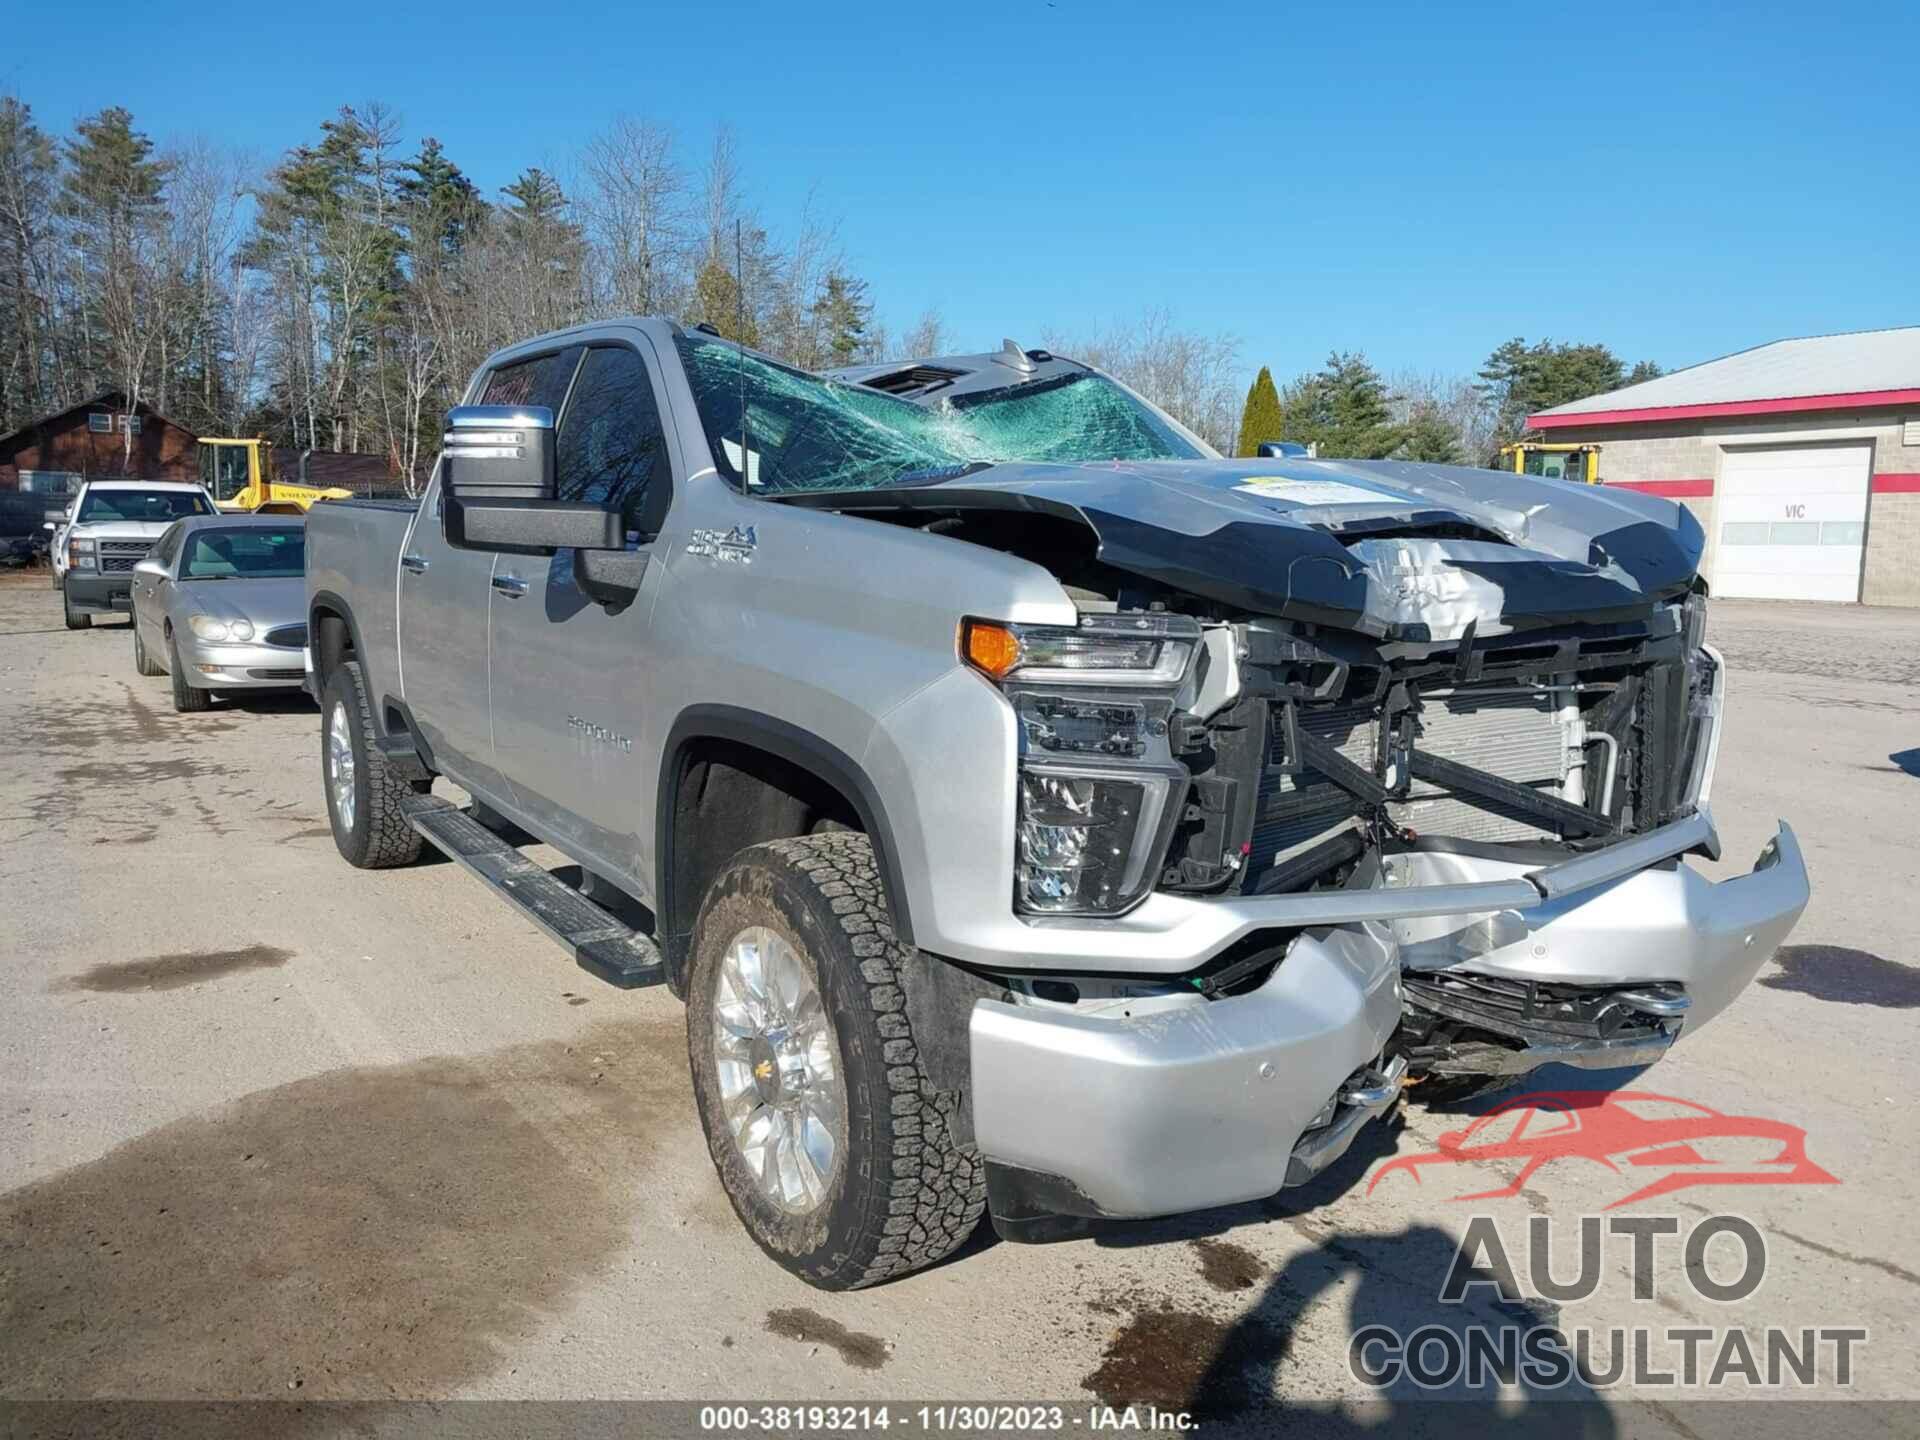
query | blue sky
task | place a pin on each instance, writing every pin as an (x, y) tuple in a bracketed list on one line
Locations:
[(1417, 181)]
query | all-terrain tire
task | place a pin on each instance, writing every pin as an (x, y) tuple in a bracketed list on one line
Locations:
[(143, 662), (75, 619), (188, 699), (376, 836), (905, 1192)]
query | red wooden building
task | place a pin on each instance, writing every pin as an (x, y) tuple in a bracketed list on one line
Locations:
[(89, 442)]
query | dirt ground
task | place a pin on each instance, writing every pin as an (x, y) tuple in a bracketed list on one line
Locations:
[(272, 1127)]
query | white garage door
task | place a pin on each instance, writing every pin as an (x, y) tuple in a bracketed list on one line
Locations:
[(1793, 521)]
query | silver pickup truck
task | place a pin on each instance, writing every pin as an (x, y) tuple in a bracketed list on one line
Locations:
[(1039, 814)]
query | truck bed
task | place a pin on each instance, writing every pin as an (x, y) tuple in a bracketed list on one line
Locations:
[(353, 555)]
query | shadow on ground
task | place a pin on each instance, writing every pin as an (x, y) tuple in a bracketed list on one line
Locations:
[(1181, 1356)]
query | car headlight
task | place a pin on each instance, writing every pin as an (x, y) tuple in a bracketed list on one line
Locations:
[(1099, 789), (214, 628), (80, 554)]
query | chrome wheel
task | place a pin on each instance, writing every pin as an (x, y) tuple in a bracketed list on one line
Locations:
[(340, 765), (781, 1087)]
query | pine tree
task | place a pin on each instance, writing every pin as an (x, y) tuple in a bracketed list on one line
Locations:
[(113, 203), (1261, 418), (1358, 413), (1429, 437), (442, 204), (841, 316), (1519, 379), (717, 298)]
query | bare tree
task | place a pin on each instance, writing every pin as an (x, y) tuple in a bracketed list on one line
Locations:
[(928, 336), (28, 183), (637, 212), (1192, 376), (1454, 402)]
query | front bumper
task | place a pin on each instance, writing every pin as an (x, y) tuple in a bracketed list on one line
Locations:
[(240, 667), (1663, 925), (1186, 1103), (94, 593), (1191, 1105)]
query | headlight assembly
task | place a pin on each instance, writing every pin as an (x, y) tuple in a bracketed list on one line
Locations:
[(1099, 790), (212, 627), (80, 554), (1125, 650)]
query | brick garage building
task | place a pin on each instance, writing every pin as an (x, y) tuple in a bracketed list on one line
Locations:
[(1801, 460), (89, 442)]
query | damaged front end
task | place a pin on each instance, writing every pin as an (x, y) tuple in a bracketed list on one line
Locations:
[(1478, 708), (1348, 773), (1411, 736)]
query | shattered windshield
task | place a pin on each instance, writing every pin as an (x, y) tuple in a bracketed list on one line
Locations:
[(1081, 416), (809, 433)]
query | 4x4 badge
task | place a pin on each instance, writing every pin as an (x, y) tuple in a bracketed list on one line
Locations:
[(735, 546)]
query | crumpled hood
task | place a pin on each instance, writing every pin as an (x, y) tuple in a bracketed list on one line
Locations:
[(267, 603), (1395, 549)]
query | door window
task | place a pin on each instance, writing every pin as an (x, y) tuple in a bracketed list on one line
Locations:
[(612, 449), (541, 380)]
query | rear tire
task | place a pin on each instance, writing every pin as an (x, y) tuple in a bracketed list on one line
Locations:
[(187, 699), (901, 1192), (75, 619), (142, 662), (366, 801)]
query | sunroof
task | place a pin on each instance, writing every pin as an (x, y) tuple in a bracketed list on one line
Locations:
[(914, 380)]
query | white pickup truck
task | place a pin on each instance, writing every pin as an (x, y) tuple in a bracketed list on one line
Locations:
[(107, 530)]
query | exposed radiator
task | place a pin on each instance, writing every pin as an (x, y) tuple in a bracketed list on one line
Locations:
[(1511, 734)]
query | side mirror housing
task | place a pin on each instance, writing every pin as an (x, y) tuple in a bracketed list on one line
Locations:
[(152, 569), (498, 452), (1281, 450), (497, 473)]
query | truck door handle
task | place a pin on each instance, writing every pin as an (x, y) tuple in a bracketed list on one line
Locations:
[(512, 586), (416, 563)]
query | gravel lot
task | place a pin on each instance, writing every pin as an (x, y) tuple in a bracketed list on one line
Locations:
[(270, 1126)]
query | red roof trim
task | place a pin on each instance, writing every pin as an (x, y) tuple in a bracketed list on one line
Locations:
[(1668, 489), (1896, 485), (1852, 400)]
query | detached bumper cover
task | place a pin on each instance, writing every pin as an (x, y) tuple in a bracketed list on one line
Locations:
[(1213, 1102), (1667, 924), (1200, 1105)]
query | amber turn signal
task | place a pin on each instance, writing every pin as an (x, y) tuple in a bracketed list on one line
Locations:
[(992, 649)]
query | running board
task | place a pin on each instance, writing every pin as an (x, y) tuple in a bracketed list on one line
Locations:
[(598, 942)]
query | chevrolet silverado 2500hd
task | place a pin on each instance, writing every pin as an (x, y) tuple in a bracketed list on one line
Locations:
[(1039, 814)]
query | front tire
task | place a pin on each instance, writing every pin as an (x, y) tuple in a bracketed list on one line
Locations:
[(366, 801), (188, 699), (142, 662), (833, 1145), (76, 620)]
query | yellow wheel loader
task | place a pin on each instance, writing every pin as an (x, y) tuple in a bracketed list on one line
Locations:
[(239, 473), (1579, 463)]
